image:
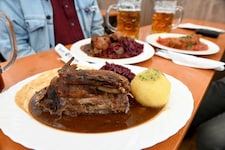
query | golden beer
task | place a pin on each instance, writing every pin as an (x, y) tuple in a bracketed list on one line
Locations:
[(161, 22), (128, 22)]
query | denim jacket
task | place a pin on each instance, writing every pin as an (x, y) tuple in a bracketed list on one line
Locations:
[(33, 24)]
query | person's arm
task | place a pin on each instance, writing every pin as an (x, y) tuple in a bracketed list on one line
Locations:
[(97, 24), (90, 17), (13, 10)]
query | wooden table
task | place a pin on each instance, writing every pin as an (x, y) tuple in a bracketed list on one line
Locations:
[(197, 80)]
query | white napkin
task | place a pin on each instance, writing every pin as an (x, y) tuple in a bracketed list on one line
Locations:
[(66, 55), (191, 61), (196, 26)]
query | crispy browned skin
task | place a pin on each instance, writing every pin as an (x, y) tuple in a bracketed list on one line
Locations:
[(78, 91), (106, 78), (102, 43)]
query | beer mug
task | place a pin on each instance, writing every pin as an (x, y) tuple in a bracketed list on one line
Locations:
[(128, 17), (163, 16), (6, 23)]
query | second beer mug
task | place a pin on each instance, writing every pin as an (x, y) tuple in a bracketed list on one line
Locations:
[(128, 17), (164, 11)]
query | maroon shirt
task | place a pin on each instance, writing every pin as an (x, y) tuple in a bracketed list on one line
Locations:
[(67, 28)]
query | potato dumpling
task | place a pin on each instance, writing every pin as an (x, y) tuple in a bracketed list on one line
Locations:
[(151, 88)]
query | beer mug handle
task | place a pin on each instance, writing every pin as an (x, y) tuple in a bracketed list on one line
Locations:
[(7, 23), (115, 7), (180, 11)]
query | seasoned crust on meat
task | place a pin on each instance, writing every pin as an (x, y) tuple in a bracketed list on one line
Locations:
[(99, 44), (77, 91), (102, 43)]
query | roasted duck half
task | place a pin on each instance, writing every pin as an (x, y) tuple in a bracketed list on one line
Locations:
[(76, 91)]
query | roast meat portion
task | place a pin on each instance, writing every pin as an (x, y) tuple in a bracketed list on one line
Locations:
[(76, 91)]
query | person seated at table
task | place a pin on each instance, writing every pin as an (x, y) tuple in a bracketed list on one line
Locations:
[(209, 121), (40, 24)]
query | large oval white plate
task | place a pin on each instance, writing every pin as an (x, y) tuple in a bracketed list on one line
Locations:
[(147, 53), (152, 39), (22, 128)]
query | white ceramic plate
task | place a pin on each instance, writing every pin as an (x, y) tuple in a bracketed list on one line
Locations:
[(147, 53), (24, 129), (212, 47)]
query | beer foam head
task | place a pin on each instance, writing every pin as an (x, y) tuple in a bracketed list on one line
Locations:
[(165, 6), (130, 5)]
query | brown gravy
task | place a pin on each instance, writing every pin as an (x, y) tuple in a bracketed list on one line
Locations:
[(86, 48), (95, 123)]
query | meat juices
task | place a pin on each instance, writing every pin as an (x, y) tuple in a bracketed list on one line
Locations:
[(57, 114)]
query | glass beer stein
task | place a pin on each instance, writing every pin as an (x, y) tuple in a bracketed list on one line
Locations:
[(6, 23), (128, 17), (164, 11)]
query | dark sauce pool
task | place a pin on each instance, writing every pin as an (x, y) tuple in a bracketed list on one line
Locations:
[(96, 123), (86, 48)]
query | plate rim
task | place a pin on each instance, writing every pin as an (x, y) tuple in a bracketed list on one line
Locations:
[(135, 130), (147, 53), (151, 39)]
